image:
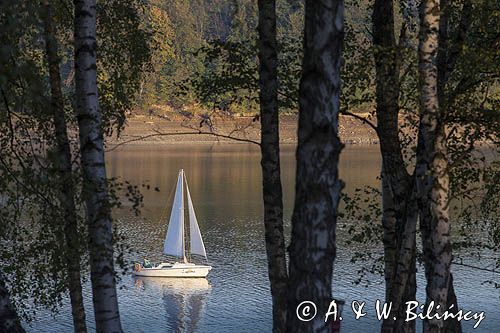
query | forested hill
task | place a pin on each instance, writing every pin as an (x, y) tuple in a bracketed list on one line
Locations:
[(185, 30)]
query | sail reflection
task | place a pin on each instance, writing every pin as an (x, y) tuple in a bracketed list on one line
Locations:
[(184, 299)]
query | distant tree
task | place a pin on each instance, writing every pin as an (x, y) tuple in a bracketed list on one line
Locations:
[(317, 191)]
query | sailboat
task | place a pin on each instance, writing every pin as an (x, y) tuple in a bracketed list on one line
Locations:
[(176, 241)]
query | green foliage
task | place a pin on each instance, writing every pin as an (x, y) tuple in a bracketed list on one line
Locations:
[(228, 80), (214, 51), (123, 52), (472, 123), (32, 238), (360, 218)]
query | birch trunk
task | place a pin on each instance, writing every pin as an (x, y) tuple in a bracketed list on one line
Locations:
[(312, 249), (270, 162), (98, 211), (446, 58), (399, 211), (432, 169), (9, 321), (65, 175)]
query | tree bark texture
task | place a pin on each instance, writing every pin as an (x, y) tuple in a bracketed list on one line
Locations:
[(432, 169), (270, 162), (66, 185), (98, 210), (312, 249), (399, 215), (449, 49)]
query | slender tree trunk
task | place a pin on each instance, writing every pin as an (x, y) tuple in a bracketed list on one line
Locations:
[(448, 51), (271, 179), (432, 170), (9, 321), (98, 210), (447, 55), (399, 212), (65, 175), (312, 249)]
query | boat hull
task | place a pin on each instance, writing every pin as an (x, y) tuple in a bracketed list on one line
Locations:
[(177, 270)]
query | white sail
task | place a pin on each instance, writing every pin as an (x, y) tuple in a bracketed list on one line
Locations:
[(196, 242), (174, 242)]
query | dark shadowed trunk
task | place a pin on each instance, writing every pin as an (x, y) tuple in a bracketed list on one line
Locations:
[(399, 216), (271, 179), (432, 170), (98, 210), (66, 186), (312, 249), (9, 321)]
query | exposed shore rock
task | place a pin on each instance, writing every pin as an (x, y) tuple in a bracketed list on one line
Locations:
[(155, 130)]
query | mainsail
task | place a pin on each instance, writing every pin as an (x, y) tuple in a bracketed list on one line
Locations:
[(174, 242), (196, 242)]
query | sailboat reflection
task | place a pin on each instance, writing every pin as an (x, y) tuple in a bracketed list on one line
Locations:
[(184, 299)]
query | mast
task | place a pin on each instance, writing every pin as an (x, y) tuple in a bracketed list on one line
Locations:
[(183, 224), (196, 245)]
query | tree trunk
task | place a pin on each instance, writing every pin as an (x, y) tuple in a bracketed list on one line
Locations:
[(447, 55), (446, 58), (432, 170), (271, 179), (95, 190), (9, 321), (66, 185), (399, 212), (312, 249)]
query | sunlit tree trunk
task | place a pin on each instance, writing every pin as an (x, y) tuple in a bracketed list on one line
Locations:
[(271, 179), (399, 215), (95, 190), (9, 321), (448, 52), (312, 249), (432, 169), (66, 185), (447, 55)]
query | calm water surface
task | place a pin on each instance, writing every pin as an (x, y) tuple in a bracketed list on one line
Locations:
[(225, 185)]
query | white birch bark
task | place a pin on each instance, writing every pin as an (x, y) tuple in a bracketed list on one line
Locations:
[(98, 211), (312, 249), (62, 165), (432, 168)]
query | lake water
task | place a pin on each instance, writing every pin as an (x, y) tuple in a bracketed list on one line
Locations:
[(225, 185)]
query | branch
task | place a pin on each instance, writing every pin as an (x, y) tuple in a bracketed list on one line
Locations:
[(475, 267), (362, 119), (459, 40), (342, 111), (158, 133)]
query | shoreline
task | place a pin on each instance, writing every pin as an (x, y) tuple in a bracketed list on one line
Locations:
[(241, 130)]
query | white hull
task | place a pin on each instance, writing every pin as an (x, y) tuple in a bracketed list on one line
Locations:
[(185, 270)]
